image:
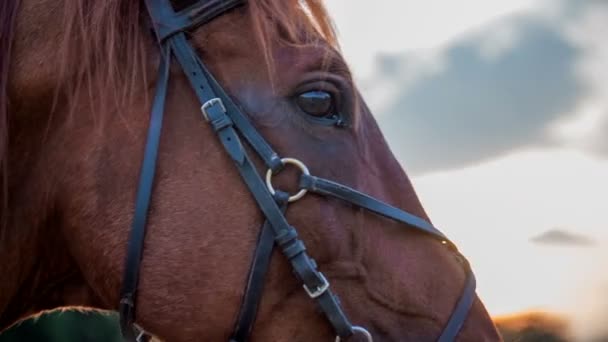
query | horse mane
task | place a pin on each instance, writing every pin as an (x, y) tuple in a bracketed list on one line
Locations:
[(105, 43), (109, 39)]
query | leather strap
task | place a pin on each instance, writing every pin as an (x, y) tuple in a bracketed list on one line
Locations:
[(167, 22), (128, 293), (241, 121), (257, 273), (255, 285), (203, 12), (460, 313), (329, 188), (206, 88)]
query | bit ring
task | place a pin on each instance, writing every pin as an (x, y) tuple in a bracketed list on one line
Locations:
[(295, 162)]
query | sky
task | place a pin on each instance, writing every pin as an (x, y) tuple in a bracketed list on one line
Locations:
[(498, 111)]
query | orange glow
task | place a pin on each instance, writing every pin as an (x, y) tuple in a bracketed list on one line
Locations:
[(540, 319)]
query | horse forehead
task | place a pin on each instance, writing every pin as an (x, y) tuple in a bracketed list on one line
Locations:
[(233, 35), (227, 35)]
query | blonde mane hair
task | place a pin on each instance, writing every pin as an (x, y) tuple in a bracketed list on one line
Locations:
[(110, 36)]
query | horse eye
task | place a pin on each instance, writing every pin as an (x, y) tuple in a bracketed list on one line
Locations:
[(317, 103)]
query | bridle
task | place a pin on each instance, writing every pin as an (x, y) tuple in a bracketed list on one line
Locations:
[(231, 126)]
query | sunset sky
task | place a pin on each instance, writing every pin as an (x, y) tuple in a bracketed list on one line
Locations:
[(498, 110)]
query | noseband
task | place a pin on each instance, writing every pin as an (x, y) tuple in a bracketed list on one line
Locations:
[(231, 126)]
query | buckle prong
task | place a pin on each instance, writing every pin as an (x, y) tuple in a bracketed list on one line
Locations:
[(319, 290), (214, 101)]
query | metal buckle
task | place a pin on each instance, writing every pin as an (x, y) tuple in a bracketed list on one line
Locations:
[(297, 164), (214, 101), (362, 331), (320, 289), (142, 335)]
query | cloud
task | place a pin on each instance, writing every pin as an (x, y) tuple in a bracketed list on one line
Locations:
[(589, 33), (597, 139), (602, 139), (477, 106), (559, 237)]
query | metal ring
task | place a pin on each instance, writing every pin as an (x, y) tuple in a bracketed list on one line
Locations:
[(362, 331), (295, 163)]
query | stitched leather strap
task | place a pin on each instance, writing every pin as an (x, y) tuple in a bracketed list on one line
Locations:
[(142, 202), (329, 188), (167, 22), (257, 273), (461, 311), (242, 122), (206, 88)]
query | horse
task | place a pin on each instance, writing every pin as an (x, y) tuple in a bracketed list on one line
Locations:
[(78, 80)]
